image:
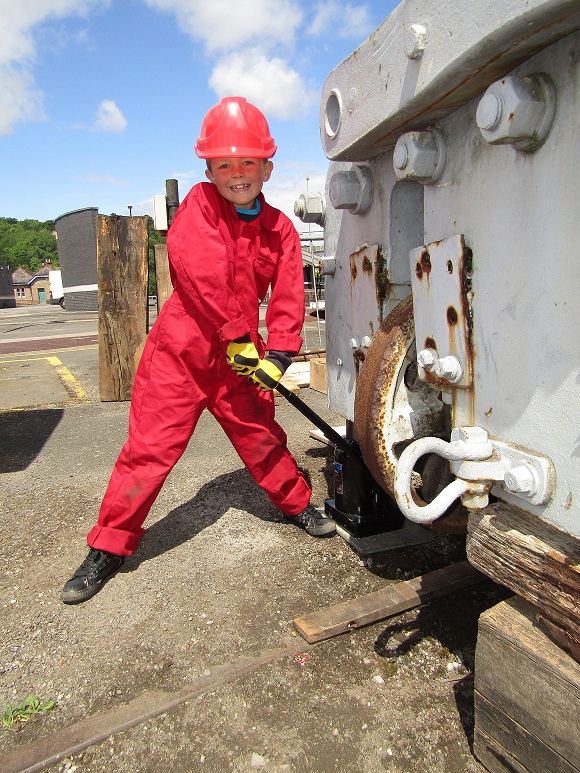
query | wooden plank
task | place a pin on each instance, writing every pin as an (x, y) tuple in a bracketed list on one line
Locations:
[(122, 269), (504, 746), (524, 680), (533, 558), (386, 602)]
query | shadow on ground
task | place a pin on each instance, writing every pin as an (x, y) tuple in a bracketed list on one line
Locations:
[(450, 624), (232, 490), (23, 435)]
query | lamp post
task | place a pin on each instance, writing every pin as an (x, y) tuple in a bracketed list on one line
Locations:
[(130, 208)]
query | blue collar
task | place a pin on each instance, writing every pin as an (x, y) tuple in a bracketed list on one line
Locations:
[(254, 212)]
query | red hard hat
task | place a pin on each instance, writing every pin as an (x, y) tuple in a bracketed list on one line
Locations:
[(235, 129)]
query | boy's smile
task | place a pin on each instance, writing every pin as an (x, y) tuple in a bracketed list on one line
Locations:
[(239, 180)]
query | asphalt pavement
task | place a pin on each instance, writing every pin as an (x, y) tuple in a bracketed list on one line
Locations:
[(188, 658)]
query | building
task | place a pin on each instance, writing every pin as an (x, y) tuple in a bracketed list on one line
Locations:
[(31, 288)]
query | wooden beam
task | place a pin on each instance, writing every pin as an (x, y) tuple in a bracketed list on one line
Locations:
[(386, 602), (532, 558), (526, 693)]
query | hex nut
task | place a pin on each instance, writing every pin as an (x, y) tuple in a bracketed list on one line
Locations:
[(354, 343), (351, 190), (310, 207), (426, 359), (449, 368), (517, 111), (521, 479), (420, 156)]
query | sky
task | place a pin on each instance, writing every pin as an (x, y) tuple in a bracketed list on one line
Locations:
[(101, 101)]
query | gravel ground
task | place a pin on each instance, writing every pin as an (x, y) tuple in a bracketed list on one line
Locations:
[(218, 577)]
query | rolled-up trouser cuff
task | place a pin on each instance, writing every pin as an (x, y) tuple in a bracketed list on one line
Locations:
[(117, 541)]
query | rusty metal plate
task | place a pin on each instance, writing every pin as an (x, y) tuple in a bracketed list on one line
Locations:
[(441, 284)]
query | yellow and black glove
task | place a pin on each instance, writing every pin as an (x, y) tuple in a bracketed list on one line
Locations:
[(242, 356), (271, 369), (266, 375)]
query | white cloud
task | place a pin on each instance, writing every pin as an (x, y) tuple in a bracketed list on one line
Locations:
[(109, 118), (345, 20), (225, 25), (270, 84), (20, 99)]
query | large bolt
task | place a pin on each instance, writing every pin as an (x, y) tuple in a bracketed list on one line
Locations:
[(310, 208), (352, 190), (354, 343), (517, 111), (415, 41), (327, 266), (449, 368), (366, 341), (420, 156), (521, 479)]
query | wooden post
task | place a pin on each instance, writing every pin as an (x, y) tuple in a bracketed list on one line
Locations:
[(172, 194), (162, 277), (122, 269)]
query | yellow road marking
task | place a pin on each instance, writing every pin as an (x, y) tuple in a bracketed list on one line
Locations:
[(71, 384)]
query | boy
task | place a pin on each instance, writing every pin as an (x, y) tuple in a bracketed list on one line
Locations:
[(226, 247)]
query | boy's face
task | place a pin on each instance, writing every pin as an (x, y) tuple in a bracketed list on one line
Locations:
[(239, 180)]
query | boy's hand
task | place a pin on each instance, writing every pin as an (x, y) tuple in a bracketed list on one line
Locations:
[(243, 357), (266, 375)]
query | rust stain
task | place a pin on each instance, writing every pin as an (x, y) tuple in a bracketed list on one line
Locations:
[(358, 358), (353, 268), (466, 312), (430, 344), (449, 266), (367, 266), (452, 317)]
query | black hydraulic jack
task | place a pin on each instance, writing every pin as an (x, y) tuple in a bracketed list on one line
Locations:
[(360, 505)]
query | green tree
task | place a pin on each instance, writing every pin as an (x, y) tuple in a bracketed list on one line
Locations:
[(27, 243)]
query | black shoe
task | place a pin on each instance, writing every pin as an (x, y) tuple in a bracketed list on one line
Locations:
[(90, 576), (313, 522)]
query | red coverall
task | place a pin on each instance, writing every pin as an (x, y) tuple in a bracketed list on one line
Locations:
[(221, 268)]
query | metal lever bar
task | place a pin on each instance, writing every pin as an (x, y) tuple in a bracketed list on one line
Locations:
[(345, 445)]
